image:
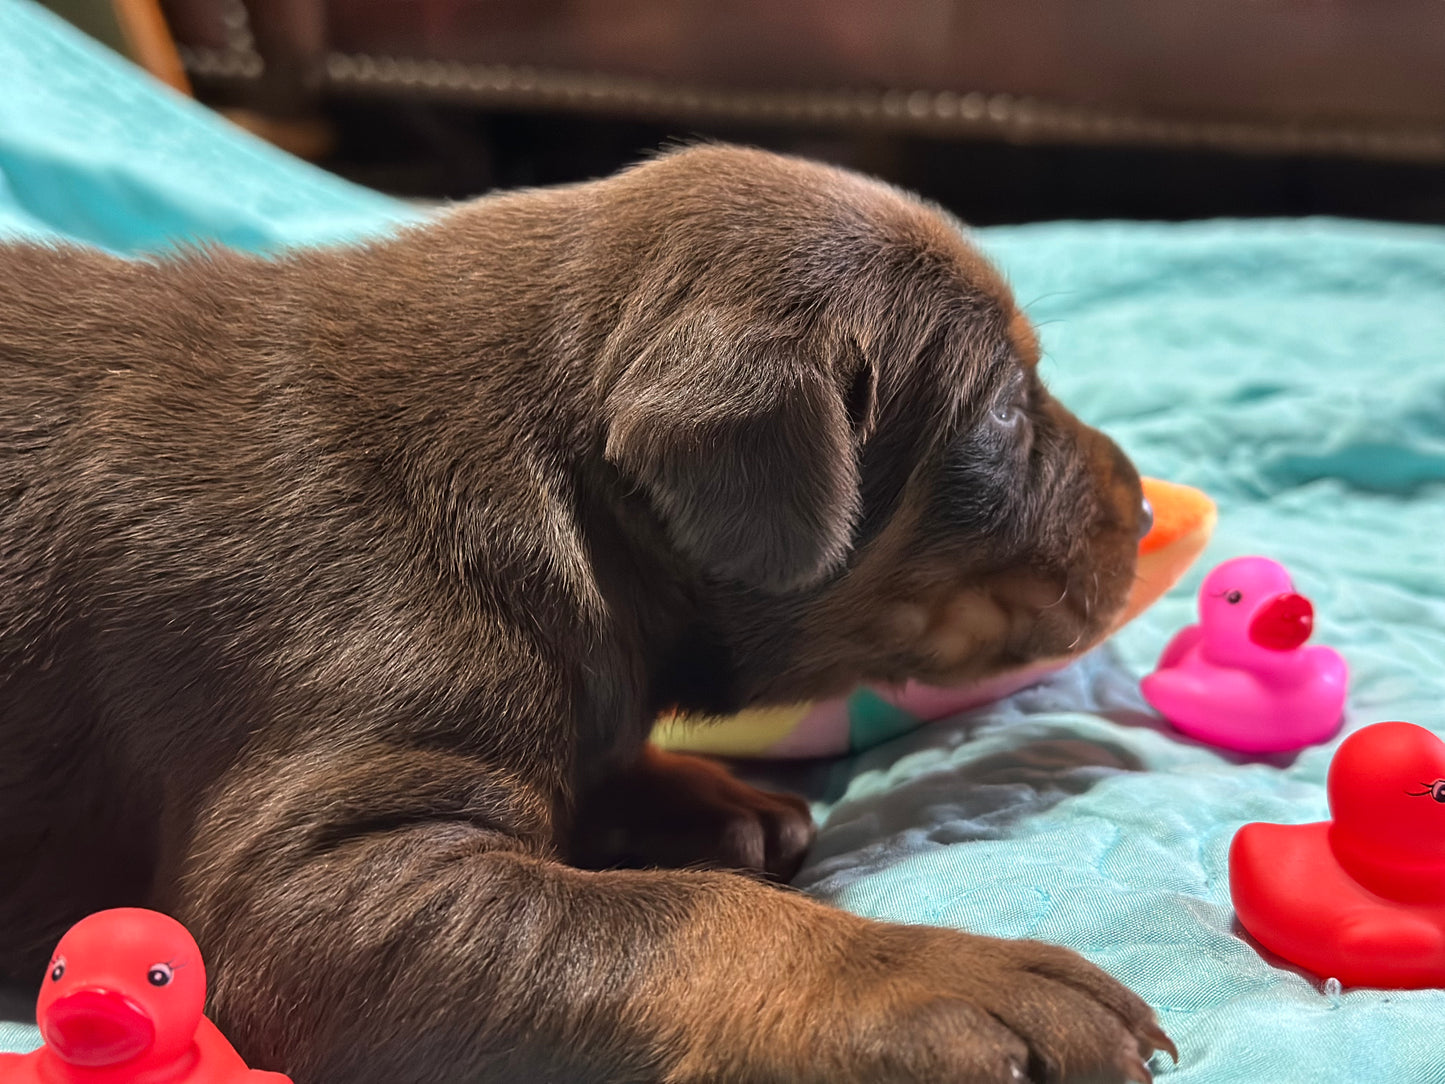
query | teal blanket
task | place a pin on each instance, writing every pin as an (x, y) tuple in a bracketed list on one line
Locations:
[(1293, 370)]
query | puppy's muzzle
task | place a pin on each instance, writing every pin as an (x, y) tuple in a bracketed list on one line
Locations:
[(1146, 517)]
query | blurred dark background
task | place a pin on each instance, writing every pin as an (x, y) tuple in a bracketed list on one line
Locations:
[(1004, 110), (441, 151)]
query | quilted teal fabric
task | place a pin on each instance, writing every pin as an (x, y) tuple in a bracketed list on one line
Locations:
[(92, 150), (1294, 370)]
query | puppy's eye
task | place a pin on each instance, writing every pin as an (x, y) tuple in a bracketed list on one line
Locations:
[(1007, 415), (159, 974)]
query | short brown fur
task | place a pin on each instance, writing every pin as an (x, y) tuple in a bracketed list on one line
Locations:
[(338, 592)]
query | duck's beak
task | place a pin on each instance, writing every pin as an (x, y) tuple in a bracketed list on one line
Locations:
[(95, 1027), (1283, 623)]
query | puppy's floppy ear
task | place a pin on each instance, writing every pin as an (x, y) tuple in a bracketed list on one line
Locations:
[(746, 446)]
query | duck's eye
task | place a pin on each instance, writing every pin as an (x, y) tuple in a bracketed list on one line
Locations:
[(1233, 597), (159, 974), (1437, 790), (57, 969)]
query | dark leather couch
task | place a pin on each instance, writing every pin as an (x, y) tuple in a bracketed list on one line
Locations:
[(1355, 78)]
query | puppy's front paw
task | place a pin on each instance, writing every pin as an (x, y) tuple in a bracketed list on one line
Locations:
[(988, 1009), (673, 811)]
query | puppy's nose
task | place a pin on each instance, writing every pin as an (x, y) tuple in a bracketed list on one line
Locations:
[(1146, 517)]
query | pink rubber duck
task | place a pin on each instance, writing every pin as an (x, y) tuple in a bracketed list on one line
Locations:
[(121, 1004), (1360, 897), (1242, 678)]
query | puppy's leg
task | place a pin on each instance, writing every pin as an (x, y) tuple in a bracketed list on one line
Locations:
[(375, 916), (673, 810)]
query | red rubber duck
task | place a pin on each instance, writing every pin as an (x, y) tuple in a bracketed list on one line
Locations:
[(1360, 898), (121, 1004)]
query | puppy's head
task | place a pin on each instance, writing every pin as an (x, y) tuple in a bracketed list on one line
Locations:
[(831, 402)]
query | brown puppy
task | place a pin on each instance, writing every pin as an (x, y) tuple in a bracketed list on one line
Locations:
[(338, 593)]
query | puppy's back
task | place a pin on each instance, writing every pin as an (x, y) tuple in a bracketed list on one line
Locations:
[(56, 308)]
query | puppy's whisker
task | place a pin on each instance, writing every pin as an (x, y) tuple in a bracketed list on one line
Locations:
[(1062, 595), (1050, 294)]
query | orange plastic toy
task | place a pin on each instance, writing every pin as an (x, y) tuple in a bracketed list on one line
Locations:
[(1360, 898), (1184, 519), (121, 1004)]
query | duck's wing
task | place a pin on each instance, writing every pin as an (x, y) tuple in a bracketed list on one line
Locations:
[(17, 1068), (1183, 641)]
